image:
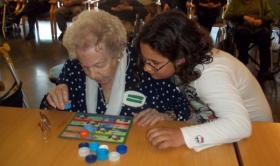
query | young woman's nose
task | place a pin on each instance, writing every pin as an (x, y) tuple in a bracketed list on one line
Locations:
[(148, 69)]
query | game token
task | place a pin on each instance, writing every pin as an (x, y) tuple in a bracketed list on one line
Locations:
[(104, 147), (67, 106), (102, 154), (84, 151), (121, 148), (114, 156), (93, 146), (83, 144), (91, 158), (84, 134), (90, 128)]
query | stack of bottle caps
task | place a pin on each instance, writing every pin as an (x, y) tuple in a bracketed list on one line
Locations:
[(94, 151)]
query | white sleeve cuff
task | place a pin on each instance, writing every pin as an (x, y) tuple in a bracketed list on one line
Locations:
[(194, 140)]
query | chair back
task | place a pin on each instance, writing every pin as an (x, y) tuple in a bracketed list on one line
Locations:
[(17, 87)]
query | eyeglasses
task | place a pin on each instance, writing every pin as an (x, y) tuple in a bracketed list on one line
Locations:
[(156, 69)]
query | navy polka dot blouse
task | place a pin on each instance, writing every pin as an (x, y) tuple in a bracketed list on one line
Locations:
[(160, 94)]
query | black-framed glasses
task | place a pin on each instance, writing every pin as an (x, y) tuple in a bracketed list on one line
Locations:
[(156, 69)]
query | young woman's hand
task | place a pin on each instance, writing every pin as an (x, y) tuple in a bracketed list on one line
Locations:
[(149, 117), (163, 138), (58, 96)]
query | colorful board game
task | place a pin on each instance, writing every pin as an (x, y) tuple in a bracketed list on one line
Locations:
[(103, 128)]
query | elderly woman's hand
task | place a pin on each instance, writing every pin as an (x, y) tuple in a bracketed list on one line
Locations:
[(58, 96), (163, 138), (149, 117)]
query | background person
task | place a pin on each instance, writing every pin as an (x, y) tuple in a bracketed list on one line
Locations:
[(174, 4), (32, 9), (207, 11), (252, 23), (131, 12), (69, 9)]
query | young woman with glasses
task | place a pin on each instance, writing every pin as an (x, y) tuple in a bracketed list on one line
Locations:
[(172, 46)]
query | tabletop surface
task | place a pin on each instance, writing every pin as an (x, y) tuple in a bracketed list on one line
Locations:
[(263, 147), (21, 143)]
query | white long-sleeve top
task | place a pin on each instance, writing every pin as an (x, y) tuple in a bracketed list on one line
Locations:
[(233, 93)]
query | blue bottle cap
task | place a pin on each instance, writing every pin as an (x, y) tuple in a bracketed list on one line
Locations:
[(121, 148), (93, 146), (102, 154), (90, 128), (67, 106), (83, 144), (114, 156), (83, 151), (91, 158), (104, 147)]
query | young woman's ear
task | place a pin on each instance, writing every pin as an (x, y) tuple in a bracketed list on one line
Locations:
[(180, 61)]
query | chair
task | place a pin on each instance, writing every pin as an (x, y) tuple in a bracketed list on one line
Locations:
[(91, 4), (222, 27), (51, 17), (46, 16), (274, 68), (190, 9), (4, 20), (138, 24), (54, 73), (17, 87), (19, 6), (7, 12)]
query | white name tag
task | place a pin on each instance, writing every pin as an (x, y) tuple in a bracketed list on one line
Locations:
[(134, 98)]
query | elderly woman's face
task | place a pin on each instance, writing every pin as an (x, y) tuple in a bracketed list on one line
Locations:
[(97, 64), (154, 63)]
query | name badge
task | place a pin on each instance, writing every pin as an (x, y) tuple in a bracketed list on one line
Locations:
[(134, 98)]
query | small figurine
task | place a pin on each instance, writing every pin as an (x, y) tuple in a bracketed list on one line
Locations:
[(44, 125)]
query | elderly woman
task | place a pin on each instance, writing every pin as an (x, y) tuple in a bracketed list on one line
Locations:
[(101, 76)]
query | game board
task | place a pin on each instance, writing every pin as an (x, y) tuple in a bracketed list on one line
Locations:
[(113, 129)]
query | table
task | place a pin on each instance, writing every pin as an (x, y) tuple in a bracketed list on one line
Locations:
[(21, 144), (263, 147)]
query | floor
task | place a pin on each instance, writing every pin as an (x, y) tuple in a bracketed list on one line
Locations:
[(33, 59)]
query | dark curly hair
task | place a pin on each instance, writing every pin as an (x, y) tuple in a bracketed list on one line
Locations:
[(174, 36)]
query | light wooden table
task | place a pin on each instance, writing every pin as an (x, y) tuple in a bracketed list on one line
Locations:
[(21, 144), (263, 147)]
